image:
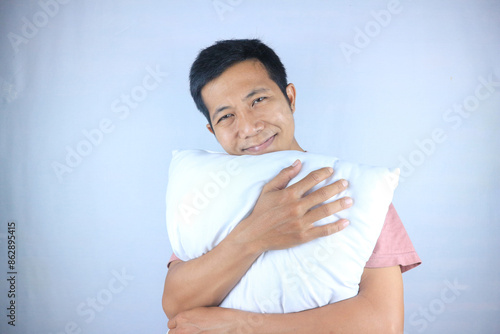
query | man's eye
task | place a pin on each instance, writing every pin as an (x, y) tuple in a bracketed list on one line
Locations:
[(224, 117), (260, 99)]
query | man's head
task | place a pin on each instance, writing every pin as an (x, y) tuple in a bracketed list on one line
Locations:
[(240, 86), (214, 60)]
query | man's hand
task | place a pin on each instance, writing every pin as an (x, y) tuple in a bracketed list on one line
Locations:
[(283, 217)]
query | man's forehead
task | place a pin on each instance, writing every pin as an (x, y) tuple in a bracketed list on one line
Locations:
[(241, 70)]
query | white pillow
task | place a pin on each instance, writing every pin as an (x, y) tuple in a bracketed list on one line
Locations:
[(209, 193)]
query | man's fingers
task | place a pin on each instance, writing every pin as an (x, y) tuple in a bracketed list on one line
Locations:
[(328, 229), (281, 180), (325, 193), (172, 323), (312, 179), (328, 209)]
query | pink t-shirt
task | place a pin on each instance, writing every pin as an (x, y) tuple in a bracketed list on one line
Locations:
[(393, 247)]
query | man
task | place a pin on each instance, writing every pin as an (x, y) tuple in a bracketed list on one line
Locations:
[(241, 87)]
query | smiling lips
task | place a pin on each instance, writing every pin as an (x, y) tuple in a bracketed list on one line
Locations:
[(261, 147)]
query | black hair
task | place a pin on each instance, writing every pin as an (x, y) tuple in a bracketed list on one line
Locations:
[(214, 60)]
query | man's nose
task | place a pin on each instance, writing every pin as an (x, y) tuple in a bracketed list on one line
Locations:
[(249, 124)]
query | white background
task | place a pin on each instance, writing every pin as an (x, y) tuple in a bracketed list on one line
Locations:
[(81, 223)]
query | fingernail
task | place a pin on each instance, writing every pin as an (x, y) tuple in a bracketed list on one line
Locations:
[(345, 223), (330, 169), (345, 183), (295, 163), (348, 201)]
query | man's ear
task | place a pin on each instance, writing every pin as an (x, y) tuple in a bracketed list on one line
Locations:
[(209, 127), (291, 94)]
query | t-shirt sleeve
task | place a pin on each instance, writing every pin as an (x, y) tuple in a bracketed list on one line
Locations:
[(394, 246)]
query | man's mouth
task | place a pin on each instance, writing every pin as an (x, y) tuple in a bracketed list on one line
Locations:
[(260, 147)]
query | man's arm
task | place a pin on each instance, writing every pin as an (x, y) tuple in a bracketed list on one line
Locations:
[(378, 308), (282, 218)]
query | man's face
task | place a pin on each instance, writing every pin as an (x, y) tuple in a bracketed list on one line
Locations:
[(249, 113)]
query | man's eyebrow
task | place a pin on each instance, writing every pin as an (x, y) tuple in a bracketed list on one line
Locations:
[(218, 110), (254, 92)]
